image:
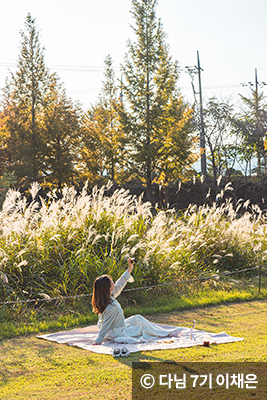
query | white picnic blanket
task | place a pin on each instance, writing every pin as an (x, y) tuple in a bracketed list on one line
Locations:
[(187, 337)]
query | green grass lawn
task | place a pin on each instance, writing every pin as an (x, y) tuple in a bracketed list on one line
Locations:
[(31, 368)]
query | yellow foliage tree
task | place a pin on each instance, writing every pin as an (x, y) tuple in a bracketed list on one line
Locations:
[(103, 141)]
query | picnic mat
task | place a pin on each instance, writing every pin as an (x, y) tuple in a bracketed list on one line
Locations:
[(187, 337)]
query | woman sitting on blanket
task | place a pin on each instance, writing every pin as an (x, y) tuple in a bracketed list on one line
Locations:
[(111, 322)]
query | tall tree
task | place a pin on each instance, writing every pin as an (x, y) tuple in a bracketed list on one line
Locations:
[(217, 118), (251, 127), (153, 106), (23, 104), (104, 133), (40, 127), (61, 124)]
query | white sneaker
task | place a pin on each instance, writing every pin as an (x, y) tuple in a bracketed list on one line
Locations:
[(116, 352), (125, 352)]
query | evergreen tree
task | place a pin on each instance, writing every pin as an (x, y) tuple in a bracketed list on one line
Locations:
[(61, 122), (40, 127), (251, 126), (154, 109), (104, 134), (23, 105), (91, 150)]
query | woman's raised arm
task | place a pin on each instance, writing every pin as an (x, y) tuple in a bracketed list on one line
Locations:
[(121, 282)]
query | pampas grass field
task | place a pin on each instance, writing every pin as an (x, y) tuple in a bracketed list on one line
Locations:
[(57, 246)]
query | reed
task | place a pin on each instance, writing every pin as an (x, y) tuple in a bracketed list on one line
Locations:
[(58, 247)]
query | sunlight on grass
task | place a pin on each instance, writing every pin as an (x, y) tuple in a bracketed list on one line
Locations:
[(35, 369)]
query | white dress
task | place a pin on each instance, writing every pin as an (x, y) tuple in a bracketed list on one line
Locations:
[(135, 329)]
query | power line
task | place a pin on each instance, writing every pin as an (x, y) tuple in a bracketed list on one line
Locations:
[(86, 68), (91, 68)]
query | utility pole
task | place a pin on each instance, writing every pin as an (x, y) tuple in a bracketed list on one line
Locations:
[(191, 71), (257, 133), (202, 132), (257, 117)]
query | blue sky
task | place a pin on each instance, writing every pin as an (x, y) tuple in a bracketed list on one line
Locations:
[(230, 36)]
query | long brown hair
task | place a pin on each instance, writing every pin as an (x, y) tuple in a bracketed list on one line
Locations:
[(101, 293)]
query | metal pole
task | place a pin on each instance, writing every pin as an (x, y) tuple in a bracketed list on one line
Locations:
[(257, 119), (202, 132)]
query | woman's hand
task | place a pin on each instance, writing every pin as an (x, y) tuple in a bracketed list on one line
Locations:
[(96, 343), (131, 265)]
